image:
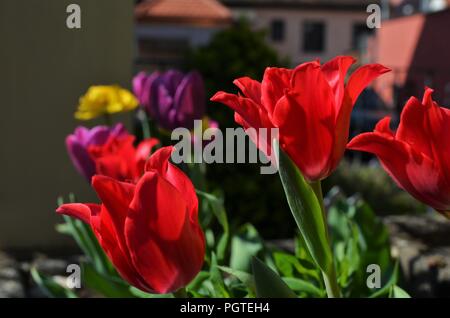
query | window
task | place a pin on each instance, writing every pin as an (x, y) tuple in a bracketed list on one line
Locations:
[(360, 35), (313, 37), (277, 31)]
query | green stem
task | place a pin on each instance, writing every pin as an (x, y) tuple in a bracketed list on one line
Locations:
[(108, 119), (181, 293), (142, 115), (317, 188), (331, 284), (329, 277)]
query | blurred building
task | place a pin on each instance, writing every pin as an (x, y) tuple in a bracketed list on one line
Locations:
[(309, 29), (416, 48), (165, 29), (398, 8)]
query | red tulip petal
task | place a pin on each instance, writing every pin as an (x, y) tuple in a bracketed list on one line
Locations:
[(275, 82), (437, 124), (413, 127), (342, 131), (109, 225), (251, 112), (112, 166), (79, 211), (357, 82), (143, 151), (250, 88), (160, 204), (241, 121), (361, 78), (438, 119), (335, 71), (101, 224), (116, 158), (108, 238), (383, 127), (305, 118), (249, 115), (159, 161), (425, 127), (116, 197), (164, 248), (411, 170)]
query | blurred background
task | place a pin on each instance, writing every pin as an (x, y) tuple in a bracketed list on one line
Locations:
[(45, 67), (231, 38)]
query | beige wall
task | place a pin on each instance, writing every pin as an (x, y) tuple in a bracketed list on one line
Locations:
[(338, 37), (44, 67)]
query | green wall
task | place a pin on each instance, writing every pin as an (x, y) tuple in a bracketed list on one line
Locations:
[(44, 68)]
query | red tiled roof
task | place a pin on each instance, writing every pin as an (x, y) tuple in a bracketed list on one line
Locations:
[(203, 12)]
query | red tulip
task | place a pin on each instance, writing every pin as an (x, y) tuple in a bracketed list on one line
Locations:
[(119, 159), (150, 230), (310, 105), (416, 156)]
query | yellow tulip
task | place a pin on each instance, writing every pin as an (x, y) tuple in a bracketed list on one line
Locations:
[(101, 100)]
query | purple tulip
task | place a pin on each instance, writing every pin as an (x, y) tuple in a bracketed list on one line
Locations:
[(172, 98), (78, 143)]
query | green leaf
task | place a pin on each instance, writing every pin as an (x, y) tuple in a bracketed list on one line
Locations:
[(217, 207), (245, 278), (210, 239), (374, 235), (222, 245), (141, 294), (302, 254), (359, 239), (398, 292), (105, 285), (219, 289), (286, 264), (50, 287), (338, 222), (63, 228), (302, 286), (306, 210), (197, 282), (87, 241), (268, 283), (290, 266), (246, 244)]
